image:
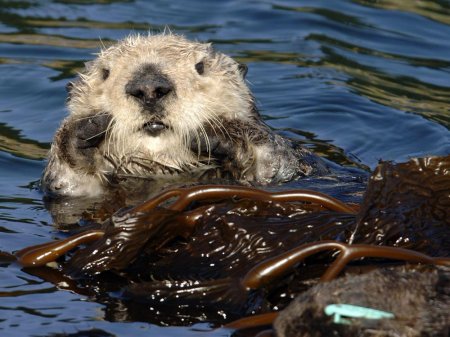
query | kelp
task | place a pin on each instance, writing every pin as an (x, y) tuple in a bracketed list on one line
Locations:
[(218, 253)]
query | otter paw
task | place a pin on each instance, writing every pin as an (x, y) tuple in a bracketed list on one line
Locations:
[(219, 148), (267, 165), (90, 132)]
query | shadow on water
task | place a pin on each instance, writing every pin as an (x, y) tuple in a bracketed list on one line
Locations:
[(356, 81)]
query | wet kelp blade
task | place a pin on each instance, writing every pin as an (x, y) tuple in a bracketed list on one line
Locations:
[(407, 205), (42, 254), (269, 270), (151, 245), (141, 216)]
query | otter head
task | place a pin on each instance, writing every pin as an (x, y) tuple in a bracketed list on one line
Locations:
[(137, 108)]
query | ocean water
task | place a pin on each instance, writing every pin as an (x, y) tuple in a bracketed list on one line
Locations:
[(356, 81)]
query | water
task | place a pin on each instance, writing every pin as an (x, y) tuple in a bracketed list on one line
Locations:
[(357, 81)]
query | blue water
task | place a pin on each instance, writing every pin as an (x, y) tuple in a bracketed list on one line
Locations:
[(357, 81)]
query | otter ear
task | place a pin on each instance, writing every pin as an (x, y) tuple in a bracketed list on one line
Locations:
[(243, 69), (200, 67)]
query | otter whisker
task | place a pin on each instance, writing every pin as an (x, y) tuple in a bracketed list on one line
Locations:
[(90, 116), (217, 122), (109, 135), (135, 176), (109, 159), (208, 144), (212, 116), (208, 107), (186, 139), (101, 42), (198, 140), (102, 176), (147, 168), (96, 135)]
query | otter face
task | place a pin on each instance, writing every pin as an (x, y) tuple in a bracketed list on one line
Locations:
[(139, 107), (160, 91), (158, 105)]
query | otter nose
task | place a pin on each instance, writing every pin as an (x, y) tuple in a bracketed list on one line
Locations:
[(148, 86)]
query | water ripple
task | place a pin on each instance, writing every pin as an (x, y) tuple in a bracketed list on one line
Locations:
[(355, 80)]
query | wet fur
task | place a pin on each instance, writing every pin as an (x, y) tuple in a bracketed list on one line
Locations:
[(419, 300), (210, 117)]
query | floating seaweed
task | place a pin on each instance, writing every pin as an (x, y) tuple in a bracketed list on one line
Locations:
[(219, 253)]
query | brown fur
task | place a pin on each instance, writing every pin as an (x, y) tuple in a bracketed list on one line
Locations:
[(419, 300)]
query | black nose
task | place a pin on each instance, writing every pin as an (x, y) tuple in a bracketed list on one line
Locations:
[(149, 86)]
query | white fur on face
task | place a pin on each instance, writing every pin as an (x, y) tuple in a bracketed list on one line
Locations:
[(198, 99)]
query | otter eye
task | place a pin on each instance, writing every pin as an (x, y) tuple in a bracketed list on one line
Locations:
[(243, 69), (200, 67), (105, 73)]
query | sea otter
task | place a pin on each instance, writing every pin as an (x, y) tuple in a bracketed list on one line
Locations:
[(161, 105)]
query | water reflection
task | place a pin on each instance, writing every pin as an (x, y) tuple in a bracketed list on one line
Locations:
[(12, 142), (400, 92), (438, 10), (355, 80)]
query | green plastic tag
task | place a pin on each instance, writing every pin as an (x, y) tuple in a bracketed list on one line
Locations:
[(353, 311)]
